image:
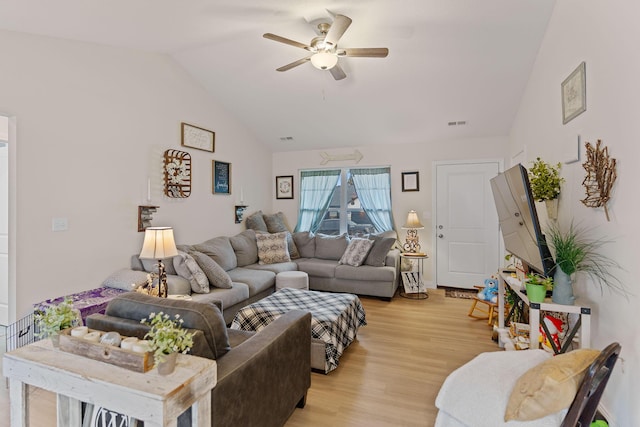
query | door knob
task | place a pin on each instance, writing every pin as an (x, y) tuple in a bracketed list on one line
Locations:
[(441, 235)]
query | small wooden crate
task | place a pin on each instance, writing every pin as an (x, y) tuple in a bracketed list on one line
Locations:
[(138, 362)]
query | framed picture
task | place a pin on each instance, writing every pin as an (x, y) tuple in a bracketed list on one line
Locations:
[(198, 138), (284, 187), (221, 177), (410, 181), (574, 94)]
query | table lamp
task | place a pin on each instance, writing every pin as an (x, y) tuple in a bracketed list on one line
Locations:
[(158, 244), (412, 226)]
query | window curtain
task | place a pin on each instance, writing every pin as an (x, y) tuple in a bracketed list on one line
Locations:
[(316, 189), (373, 186)]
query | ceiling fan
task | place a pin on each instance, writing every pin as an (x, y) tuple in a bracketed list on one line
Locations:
[(324, 48)]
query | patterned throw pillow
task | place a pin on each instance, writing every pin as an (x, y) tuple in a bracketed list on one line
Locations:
[(356, 252), (275, 224), (188, 268), (216, 274), (272, 248)]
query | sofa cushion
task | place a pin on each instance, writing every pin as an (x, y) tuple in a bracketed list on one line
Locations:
[(276, 223), (306, 243), (330, 247), (204, 317), (256, 280), (187, 267), (126, 279), (177, 285), (245, 247), (315, 267), (256, 222), (356, 252), (378, 253), (275, 268), (238, 293), (272, 248), (216, 275), (151, 265), (365, 272), (220, 249)]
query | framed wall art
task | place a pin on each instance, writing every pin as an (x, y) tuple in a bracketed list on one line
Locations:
[(221, 180), (198, 138), (284, 187), (574, 94), (410, 181)]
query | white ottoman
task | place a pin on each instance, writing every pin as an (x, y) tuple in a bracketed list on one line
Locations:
[(292, 279)]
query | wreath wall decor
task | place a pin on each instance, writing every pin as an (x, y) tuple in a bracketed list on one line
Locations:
[(177, 174), (601, 175)]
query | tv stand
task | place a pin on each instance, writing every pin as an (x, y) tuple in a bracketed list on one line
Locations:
[(583, 325)]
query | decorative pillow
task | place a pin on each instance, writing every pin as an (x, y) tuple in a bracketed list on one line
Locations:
[(220, 249), (330, 247), (256, 222), (216, 274), (356, 252), (272, 248), (126, 279), (306, 243), (378, 253), (550, 386), (245, 247), (188, 268), (276, 223)]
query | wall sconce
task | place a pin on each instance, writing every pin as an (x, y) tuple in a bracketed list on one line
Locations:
[(412, 226)]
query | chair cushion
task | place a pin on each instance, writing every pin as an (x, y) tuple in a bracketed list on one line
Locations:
[(549, 386), (204, 317), (356, 252), (245, 247)]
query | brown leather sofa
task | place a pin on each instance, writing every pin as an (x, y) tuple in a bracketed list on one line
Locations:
[(262, 376)]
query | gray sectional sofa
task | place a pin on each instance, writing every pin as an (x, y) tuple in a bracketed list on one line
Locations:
[(236, 277)]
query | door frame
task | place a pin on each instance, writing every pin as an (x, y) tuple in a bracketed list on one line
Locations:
[(434, 206)]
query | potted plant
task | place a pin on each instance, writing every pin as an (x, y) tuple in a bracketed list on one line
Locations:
[(55, 318), (575, 253), (537, 287), (545, 183), (167, 338)]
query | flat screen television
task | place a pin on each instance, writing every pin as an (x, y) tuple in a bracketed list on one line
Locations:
[(519, 222)]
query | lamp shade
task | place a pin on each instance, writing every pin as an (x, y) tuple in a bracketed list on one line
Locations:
[(158, 243), (324, 60), (413, 221)]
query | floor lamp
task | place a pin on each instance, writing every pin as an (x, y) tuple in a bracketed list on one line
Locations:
[(159, 244)]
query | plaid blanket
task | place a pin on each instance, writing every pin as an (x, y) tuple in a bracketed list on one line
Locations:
[(335, 317)]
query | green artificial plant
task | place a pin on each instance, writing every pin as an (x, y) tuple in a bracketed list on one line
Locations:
[(55, 318), (167, 335), (545, 180)]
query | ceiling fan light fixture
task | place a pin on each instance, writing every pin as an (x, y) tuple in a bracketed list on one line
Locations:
[(324, 60)]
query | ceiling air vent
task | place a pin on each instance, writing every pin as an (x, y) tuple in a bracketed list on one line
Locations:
[(286, 138), (457, 123)]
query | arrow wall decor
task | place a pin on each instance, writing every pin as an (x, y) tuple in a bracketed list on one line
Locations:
[(356, 156)]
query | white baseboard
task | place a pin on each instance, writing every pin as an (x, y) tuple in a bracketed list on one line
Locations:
[(608, 416)]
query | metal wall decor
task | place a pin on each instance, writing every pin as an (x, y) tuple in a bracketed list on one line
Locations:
[(601, 175), (177, 174)]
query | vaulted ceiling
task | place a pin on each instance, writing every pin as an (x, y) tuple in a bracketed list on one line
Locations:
[(449, 61)]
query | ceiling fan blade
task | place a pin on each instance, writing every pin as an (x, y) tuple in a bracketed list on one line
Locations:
[(337, 72), (285, 41), (294, 64), (367, 52), (337, 29)]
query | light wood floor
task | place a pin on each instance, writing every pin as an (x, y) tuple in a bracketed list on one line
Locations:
[(389, 376)]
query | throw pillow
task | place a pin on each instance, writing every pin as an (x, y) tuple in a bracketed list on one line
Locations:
[(356, 252), (378, 253), (330, 247), (220, 249), (550, 386), (272, 248), (126, 279), (256, 222), (216, 274), (276, 223), (245, 247), (306, 243), (188, 268)]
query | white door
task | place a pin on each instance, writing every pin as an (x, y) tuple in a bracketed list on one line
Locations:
[(467, 235)]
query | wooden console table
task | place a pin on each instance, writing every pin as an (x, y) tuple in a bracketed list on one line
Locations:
[(584, 323), (155, 399)]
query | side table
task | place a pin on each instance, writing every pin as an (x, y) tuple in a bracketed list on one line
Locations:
[(413, 286), (155, 399)]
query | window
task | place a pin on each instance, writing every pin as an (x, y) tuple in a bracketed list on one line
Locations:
[(353, 201)]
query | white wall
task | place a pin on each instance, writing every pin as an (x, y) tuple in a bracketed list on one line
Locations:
[(605, 36), (401, 158), (92, 124)]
